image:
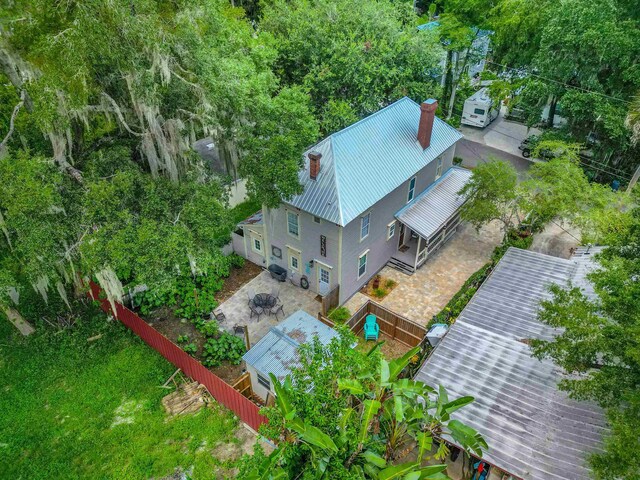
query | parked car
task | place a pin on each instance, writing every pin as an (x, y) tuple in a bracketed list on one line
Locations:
[(530, 143)]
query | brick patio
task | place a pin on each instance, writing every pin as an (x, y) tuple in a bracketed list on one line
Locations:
[(420, 296), (236, 308)]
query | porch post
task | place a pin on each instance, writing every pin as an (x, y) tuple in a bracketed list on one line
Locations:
[(415, 264)]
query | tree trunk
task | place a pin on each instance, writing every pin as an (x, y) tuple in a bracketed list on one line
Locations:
[(552, 111), (18, 321)]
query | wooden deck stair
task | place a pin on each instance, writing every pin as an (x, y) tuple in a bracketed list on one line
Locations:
[(401, 266)]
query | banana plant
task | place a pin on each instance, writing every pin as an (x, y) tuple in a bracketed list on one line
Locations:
[(389, 417)]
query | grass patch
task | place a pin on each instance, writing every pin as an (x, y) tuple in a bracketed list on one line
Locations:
[(77, 409), (244, 210)]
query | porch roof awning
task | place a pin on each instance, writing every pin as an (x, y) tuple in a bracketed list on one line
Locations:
[(426, 213)]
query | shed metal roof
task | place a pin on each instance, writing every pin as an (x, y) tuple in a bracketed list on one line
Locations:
[(366, 161), (277, 351), (534, 430), (426, 213)]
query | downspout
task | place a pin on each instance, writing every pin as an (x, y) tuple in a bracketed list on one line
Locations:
[(340, 263)]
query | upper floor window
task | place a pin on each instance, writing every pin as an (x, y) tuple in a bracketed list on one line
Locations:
[(317, 220), (439, 168), (264, 381), (293, 224), (364, 226), (412, 189)]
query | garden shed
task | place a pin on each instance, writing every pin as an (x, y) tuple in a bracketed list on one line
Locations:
[(277, 351)]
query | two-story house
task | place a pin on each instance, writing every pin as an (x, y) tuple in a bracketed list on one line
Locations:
[(382, 190)]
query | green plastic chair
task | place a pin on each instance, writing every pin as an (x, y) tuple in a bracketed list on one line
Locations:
[(371, 328)]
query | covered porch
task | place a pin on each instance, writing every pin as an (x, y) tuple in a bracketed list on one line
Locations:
[(429, 220)]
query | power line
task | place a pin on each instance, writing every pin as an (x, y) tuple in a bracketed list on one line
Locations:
[(561, 83)]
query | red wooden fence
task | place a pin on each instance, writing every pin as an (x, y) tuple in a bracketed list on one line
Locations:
[(224, 393)]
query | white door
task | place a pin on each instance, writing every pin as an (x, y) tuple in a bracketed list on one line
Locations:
[(324, 280)]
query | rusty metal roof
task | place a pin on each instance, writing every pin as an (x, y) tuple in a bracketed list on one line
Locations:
[(534, 430), (277, 351)]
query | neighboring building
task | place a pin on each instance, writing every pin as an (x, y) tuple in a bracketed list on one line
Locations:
[(534, 430), (381, 190), (277, 351)]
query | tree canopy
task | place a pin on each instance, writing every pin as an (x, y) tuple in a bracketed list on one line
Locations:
[(599, 344)]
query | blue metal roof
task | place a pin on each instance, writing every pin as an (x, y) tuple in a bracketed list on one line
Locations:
[(366, 161), (277, 351)]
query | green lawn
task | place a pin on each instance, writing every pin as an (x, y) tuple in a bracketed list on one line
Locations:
[(76, 409)]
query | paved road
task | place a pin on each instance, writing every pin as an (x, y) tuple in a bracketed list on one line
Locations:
[(473, 153)]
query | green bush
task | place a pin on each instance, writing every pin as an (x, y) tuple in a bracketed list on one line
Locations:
[(208, 328), (183, 339), (457, 160), (390, 283), (227, 347), (236, 260), (379, 292), (339, 314), (191, 349)]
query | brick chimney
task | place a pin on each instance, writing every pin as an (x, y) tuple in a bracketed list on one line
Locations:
[(314, 164), (427, 115)]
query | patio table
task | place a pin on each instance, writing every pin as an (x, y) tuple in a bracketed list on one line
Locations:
[(264, 300)]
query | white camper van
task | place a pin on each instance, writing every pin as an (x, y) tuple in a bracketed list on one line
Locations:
[(478, 109)]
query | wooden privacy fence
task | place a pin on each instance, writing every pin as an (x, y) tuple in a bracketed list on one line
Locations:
[(331, 300), (391, 324), (224, 393)]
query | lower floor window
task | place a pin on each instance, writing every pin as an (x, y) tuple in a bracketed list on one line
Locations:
[(362, 265), (264, 381), (294, 263), (257, 245)]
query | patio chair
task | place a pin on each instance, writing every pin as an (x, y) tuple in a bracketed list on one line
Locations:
[(255, 310), (278, 307), (251, 294), (370, 319), (275, 292), (371, 331), (219, 315)]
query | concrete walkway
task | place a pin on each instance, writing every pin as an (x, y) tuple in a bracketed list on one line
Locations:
[(236, 308), (420, 296)]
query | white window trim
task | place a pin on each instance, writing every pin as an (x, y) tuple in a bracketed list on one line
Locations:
[(326, 267), (366, 263), (390, 235), (411, 193), (253, 236), (362, 217), (287, 220), (294, 252), (439, 167)]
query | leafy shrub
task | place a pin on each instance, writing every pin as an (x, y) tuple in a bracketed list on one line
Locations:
[(339, 314), (236, 260), (390, 283), (183, 339), (457, 160), (226, 347), (379, 292), (209, 328), (191, 349)]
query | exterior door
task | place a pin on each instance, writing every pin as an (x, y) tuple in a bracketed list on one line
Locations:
[(401, 239), (324, 280)]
